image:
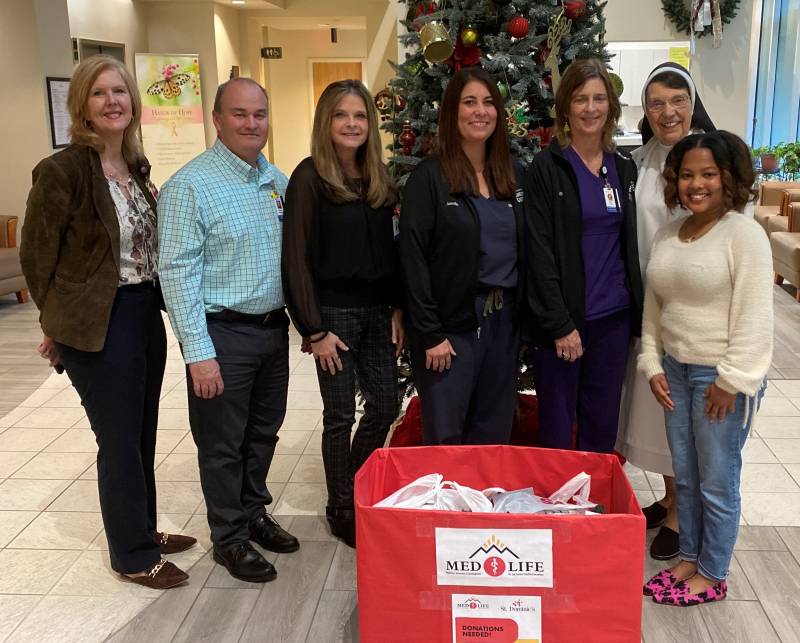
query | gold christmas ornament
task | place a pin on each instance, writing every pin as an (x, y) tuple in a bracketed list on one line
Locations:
[(469, 36), (435, 42)]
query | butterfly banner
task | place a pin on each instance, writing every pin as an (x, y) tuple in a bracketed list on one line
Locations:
[(172, 111)]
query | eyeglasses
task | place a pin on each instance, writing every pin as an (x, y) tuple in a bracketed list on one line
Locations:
[(676, 102)]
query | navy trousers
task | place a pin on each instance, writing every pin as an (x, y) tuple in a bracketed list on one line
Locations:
[(120, 387), (472, 402), (587, 390)]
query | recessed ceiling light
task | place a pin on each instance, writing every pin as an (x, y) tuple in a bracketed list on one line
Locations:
[(237, 1)]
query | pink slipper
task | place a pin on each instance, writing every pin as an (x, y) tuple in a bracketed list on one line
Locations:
[(679, 595), (659, 583)]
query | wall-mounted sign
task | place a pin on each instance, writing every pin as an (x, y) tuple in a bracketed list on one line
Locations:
[(57, 89), (272, 53), (172, 111)]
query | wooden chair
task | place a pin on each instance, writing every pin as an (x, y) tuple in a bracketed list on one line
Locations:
[(11, 278)]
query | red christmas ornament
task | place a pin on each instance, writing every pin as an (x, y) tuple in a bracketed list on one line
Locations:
[(518, 27), (407, 138), (575, 9)]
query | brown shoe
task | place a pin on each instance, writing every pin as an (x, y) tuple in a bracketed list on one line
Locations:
[(162, 575), (173, 543)]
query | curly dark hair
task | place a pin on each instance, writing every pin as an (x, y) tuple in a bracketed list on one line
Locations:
[(731, 155)]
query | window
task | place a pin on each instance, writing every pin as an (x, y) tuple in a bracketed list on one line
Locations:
[(777, 102)]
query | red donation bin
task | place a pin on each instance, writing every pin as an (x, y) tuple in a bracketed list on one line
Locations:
[(438, 576)]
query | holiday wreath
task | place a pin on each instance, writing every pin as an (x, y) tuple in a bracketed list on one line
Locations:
[(681, 16)]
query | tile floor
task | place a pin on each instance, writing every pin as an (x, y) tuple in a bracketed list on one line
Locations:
[(56, 584)]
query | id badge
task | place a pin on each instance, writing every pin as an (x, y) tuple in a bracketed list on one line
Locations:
[(278, 201), (611, 199)]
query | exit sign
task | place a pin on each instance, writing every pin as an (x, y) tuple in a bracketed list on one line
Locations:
[(273, 53)]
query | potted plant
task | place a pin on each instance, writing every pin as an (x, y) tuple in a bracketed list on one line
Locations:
[(790, 158), (767, 158)]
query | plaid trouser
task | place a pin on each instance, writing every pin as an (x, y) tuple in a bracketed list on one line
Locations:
[(371, 361)]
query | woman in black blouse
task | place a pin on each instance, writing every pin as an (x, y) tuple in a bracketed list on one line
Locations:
[(342, 285)]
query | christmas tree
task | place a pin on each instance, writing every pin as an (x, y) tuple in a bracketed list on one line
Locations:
[(525, 44)]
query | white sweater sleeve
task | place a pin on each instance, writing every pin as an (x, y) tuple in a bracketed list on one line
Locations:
[(650, 358), (749, 353), (649, 361)]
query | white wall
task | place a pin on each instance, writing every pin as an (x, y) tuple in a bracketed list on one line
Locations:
[(723, 76), (24, 128), (289, 83), (112, 21), (181, 28), (227, 41), (642, 20)]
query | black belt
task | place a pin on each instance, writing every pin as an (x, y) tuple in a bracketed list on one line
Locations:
[(273, 319), (148, 285)]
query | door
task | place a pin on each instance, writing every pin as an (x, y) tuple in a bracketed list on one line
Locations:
[(324, 73)]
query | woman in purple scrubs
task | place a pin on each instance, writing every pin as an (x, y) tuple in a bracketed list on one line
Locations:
[(585, 287)]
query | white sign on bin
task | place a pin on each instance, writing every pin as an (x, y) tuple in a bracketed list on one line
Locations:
[(494, 557)]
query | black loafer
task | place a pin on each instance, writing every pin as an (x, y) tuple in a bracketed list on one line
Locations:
[(271, 536), (665, 545), (243, 562), (655, 514)]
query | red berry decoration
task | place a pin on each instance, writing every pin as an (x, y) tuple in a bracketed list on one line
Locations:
[(575, 9), (518, 27)]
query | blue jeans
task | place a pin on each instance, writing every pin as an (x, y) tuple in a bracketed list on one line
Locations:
[(707, 459)]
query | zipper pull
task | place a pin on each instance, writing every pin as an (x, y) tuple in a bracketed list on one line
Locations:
[(479, 332)]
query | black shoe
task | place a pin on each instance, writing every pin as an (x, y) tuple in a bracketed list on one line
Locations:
[(655, 514), (665, 545), (243, 562), (271, 536), (343, 525)]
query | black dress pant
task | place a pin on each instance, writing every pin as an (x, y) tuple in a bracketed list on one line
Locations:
[(120, 387), (236, 432), (371, 361), (473, 402)]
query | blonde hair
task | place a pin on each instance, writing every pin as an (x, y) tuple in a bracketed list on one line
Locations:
[(80, 87), (578, 72), (380, 189)]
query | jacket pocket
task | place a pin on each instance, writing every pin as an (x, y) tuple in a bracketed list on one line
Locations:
[(66, 287)]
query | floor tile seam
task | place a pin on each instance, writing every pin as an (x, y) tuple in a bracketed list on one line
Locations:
[(126, 623), (795, 555), (11, 474), (16, 535), (705, 616), (27, 613)]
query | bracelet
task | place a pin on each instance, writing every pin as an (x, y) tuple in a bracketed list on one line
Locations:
[(319, 339)]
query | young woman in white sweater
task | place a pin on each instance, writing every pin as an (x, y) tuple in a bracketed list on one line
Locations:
[(706, 349)]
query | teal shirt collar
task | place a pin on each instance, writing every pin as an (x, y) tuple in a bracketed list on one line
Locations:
[(264, 174)]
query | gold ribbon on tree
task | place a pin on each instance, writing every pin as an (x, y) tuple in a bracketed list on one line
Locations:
[(561, 27)]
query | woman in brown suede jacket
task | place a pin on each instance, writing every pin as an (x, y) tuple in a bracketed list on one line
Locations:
[(89, 251)]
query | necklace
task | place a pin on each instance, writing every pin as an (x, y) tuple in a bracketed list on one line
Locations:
[(114, 175), (702, 231)]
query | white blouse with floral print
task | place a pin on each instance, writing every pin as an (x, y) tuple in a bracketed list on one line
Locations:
[(138, 233)]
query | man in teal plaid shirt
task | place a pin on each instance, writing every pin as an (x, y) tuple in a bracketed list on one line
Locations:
[(220, 226)]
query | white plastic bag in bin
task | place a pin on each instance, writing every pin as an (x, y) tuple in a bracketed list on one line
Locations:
[(575, 490), (415, 494), (432, 491)]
